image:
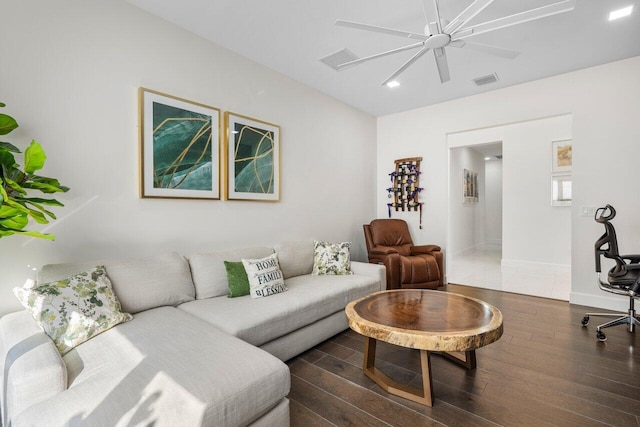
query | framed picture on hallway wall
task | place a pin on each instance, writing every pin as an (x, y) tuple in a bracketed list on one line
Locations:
[(562, 155), (469, 186), (252, 155), (561, 191), (179, 147)]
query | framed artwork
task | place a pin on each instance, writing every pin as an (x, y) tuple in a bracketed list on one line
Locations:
[(252, 158), (561, 190), (179, 147), (561, 155), (469, 186)]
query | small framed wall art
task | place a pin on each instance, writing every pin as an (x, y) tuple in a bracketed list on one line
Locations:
[(561, 190), (179, 147), (469, 186), (252, 157), (562, 158)]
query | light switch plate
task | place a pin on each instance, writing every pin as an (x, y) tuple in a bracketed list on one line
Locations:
[(588, 211)]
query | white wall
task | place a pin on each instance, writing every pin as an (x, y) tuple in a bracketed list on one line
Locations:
[(467, 219), (534, 231), (493, 201), (70, 73), (604, 102)]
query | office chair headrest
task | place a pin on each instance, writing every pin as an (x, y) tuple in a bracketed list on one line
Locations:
[(600, 214)]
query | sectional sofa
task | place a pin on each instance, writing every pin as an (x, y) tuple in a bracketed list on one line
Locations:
[(190, 356)]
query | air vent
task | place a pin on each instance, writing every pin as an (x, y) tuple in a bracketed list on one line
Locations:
[(339, 57), (485, 80)]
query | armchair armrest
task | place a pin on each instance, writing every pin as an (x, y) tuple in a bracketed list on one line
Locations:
[(424, 249), (633, 258), (383, 250)]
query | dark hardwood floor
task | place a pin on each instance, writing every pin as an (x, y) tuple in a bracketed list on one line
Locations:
[(545, 370)]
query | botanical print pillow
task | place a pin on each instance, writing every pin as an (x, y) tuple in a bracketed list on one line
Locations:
[(265, 276), (331, 258), (73, 310)]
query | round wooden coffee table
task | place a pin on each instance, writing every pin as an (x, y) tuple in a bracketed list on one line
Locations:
[(431, 321)]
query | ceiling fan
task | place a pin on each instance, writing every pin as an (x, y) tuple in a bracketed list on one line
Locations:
[(439, 34)]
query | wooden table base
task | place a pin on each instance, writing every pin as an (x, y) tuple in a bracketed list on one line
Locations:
[(424, 396)]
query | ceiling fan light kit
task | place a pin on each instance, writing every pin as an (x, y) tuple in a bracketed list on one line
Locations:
[(440, 34)]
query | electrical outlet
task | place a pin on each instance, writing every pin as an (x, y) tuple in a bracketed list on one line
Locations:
[(588, 211)]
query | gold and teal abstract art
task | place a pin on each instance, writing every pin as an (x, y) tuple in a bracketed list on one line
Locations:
[(180, 144), (253, 159)]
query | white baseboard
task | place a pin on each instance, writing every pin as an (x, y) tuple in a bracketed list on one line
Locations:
[(512, 265), (463, 250), (489, 244), (615, 303)]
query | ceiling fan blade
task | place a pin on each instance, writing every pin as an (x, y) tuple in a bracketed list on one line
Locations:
[(441, 62), (407, 64), (466, 15), (432, 16), (518, 18), (486, 48), (378, 55), (377, 29)]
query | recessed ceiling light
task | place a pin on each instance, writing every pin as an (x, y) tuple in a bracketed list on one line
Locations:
[(487, 158), (393, 83), (621, 13)]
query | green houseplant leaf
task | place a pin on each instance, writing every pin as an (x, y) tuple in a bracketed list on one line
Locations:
[(34, 157), (9, 147), (17, 207), (7, 124)]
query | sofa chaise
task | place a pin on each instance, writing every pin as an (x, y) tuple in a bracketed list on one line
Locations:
[(190, 356)]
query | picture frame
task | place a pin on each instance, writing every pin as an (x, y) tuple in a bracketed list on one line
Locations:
[(469, 186), (561, 155), (561, 190), (252, 159), (179, 147)]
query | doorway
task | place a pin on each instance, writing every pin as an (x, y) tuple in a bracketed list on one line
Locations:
[(531, 254), (475, 239)]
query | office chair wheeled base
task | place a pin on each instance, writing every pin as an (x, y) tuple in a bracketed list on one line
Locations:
[(631, 320)]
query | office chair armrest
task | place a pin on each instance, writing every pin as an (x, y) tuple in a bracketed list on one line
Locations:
[(424, 249), (383, 250), (633, 258)]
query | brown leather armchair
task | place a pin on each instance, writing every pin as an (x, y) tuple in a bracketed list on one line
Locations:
[(408, 266)]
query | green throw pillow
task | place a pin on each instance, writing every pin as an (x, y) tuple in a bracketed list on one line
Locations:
[(237, 279)]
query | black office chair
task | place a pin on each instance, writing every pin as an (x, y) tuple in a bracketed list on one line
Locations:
[(624, 277)]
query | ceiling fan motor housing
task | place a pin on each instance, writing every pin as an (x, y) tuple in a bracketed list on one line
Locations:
[(436, 41)]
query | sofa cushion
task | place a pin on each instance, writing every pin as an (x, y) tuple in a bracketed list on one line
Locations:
[(265, 277), (209, 274), (296, 258), (331, 258), (237, 279), (308, 299), (75, 309), (164, 367), (139, 284)]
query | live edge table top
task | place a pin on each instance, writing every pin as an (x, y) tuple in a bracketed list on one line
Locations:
[(426, 320)]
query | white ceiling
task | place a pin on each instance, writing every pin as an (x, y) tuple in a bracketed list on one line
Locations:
[(291, 36)]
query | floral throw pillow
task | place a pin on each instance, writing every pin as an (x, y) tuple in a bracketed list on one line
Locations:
[(73, 310), (331, 258)]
